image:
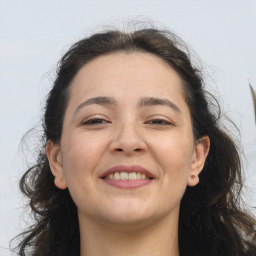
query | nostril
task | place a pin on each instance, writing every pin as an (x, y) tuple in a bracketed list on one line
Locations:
[(119, 149)]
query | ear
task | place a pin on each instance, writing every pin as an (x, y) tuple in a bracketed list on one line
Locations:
[(54, 156), (200, 153)]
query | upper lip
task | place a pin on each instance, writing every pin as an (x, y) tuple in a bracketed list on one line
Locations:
[(127, 168)]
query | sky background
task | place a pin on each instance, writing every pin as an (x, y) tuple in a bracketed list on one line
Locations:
[(35, 34)]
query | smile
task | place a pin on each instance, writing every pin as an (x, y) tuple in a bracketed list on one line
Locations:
[(127, 176)]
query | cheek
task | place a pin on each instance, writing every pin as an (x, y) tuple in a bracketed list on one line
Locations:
[(172, 154), (173, 157), (173, 151), (81, 154)]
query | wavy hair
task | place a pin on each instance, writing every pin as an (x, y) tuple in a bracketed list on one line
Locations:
[(211, 222)]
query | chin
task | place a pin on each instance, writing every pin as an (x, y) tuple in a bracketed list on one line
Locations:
[(128, 223), (128, 214)]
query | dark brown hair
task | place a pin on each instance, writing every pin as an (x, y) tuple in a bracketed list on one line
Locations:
[(211, 220)]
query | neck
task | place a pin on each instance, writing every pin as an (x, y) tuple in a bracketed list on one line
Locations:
[(156, 239)]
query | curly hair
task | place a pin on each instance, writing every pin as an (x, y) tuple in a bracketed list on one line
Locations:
[(211, 222)]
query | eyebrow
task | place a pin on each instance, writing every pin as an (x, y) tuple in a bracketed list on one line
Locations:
[(97, 100), (152, 101), (144, 102)]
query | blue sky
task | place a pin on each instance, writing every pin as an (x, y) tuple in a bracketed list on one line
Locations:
[(34, 35)]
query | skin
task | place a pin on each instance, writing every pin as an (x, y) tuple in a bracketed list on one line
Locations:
[(114, 221)]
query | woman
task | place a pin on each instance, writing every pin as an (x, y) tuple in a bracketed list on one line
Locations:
[(134, 160)]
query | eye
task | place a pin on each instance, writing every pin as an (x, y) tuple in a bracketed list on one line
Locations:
[(159, 121), (94, 121)]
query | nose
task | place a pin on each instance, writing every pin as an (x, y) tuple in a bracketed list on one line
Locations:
[(128, 139)]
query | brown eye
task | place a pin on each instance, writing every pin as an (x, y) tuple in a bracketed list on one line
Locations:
[(95, 121), (159, 122)]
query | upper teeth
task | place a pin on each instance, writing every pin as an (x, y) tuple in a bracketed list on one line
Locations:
[(126, 176)]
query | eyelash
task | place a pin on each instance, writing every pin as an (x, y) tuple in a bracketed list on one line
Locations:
[(99, 121), (94, 121), (159, 121)]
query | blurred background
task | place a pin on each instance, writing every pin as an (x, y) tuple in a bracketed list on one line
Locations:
[(35, 34)]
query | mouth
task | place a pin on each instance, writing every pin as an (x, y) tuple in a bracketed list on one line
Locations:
[(127, 176)]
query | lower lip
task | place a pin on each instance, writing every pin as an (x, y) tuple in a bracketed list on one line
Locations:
[(128, 183)]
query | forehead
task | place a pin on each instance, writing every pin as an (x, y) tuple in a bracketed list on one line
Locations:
[(127, 72)]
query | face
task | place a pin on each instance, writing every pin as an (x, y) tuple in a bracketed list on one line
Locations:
[(127, 151)]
